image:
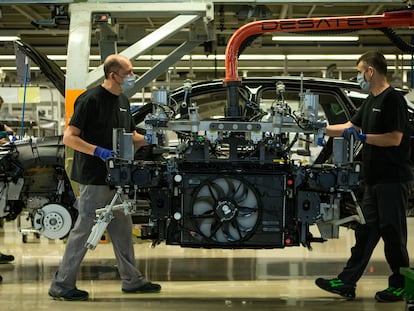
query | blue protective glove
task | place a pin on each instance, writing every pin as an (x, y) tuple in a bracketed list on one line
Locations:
[(148, 138), (320, 137), (353, 132), (12, 139), (103, 153), (321, 141)]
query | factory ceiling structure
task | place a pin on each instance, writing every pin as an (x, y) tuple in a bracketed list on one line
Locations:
[(46, 26)]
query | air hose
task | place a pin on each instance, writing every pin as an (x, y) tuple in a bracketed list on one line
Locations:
[(400, 43)]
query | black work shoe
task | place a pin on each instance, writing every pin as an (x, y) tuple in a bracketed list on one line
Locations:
[(391, 294), (146, 288), (337, 286), (6, 258), (72, 295)]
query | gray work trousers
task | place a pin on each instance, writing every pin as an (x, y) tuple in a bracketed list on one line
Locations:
[(119, 229)]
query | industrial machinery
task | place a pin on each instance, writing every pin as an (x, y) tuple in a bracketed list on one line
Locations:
[(231, 182), (34, 185)]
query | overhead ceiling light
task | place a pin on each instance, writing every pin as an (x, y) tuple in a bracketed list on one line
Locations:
[(243, 57), (9, 38), (315, 38)]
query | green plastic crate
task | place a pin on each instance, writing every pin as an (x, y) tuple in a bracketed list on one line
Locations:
[(409, 283)]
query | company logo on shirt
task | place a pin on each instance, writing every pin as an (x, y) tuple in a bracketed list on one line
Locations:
[(122, 109), (376, 110)]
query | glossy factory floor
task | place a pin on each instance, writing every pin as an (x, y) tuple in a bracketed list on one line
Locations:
[(193, 279)]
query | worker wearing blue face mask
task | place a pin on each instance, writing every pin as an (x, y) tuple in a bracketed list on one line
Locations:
[(363, 83), (96, 113), (129, 82), (381, 124)]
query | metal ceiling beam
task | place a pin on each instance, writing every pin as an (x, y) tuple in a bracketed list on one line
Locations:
[(312, 9), (283, 11), (36, 1), (197, 1), (78, 76), (163, 65), (131, 30), (150, 41), (33, 32), (27, 12)]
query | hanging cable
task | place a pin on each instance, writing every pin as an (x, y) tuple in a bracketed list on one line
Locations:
[(404, 46)]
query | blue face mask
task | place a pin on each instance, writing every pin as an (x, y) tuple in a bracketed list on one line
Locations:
[(362, 83), (129, 83)]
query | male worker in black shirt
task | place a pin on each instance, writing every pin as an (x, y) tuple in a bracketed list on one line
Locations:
[(96, 113), (381, 124)]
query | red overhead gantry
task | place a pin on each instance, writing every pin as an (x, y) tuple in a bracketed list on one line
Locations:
[(387, 20)]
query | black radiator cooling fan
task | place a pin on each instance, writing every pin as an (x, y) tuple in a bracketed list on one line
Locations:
[(225, 209)]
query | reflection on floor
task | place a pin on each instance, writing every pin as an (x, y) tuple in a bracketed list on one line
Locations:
[(201, 279)]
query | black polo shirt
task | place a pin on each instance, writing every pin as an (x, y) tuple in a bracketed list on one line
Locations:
[(96, 113)]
